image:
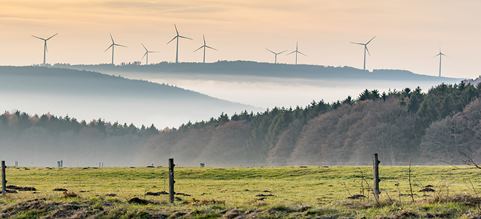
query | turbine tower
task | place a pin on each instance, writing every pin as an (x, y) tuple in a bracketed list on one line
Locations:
[(297, 51), (440, 54), (176, 37), (366, 50), (146, 54), (204, 46), (275, 54), (113, 45), (45, 46)]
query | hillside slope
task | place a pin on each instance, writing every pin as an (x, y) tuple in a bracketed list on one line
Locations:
[(442, 126), (407, 126), (87, 95), (269, 85), (41, 140)]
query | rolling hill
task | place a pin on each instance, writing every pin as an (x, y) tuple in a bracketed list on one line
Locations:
[(88, 95), (271, 85)]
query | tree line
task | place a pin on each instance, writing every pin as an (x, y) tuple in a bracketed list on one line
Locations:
[(19, 121), (396, 123)]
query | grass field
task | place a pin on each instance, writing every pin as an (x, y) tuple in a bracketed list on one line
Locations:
[(271, 192)]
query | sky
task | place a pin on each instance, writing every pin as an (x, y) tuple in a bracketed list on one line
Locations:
[(408, 32)]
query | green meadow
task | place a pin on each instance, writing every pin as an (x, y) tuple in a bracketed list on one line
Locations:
[(266, 192)]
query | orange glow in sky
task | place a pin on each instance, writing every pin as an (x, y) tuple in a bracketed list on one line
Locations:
[(409, 32)]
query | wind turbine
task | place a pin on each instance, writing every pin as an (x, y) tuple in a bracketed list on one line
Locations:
[(297, 51), (440, 54), (204, 46), (176, 37), (113, 45), (45, 46), (366, 50), (275, 54), (146, 54)]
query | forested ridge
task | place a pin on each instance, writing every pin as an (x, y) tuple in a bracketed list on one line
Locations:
[(43, 139), (16, 121), (251, 68), (402, 126), (442, 125), (87, 95)]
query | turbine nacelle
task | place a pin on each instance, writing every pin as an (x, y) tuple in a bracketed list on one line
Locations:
[(440, 54), (112, 46), (204, 46), (146, 54), (45, 39), (276, 53), (297, 52), (45, 47), (366, 49), (177, 37)]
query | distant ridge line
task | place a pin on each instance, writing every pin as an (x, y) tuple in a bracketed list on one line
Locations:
[(251, 68)]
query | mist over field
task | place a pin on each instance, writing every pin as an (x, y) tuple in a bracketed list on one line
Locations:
[(345, 115), (89, 95)]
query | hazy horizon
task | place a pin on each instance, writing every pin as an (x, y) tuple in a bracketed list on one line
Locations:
[(270, 92)]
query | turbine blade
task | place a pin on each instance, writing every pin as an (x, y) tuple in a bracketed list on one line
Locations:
[(172, 39), (198, 48), (203, 37), (109, 47), (52, 36), (40, 38), (301, 53), (186, 37), (292, 52), (282, 52), (211, 47), (112, 38), (367, 50), (270, 51), (145, 54), (370, 40), (177, 31), (120, 45), (358, 43), (144, 47)]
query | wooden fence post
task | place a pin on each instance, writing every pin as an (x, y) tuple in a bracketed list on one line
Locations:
[(4, 178), (171, 180), (376, 190)]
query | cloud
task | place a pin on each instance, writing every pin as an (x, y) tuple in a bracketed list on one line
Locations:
[(162, 6)]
